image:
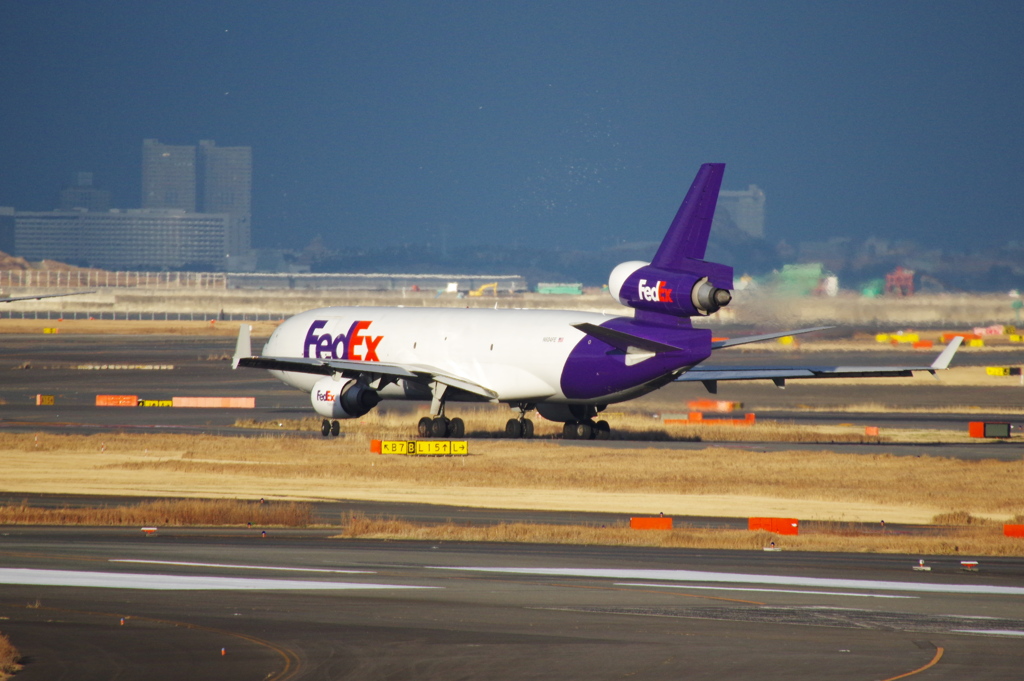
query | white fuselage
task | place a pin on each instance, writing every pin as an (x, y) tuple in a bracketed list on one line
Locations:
[(517, 354)]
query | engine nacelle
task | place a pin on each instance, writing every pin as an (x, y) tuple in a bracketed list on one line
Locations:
[(339, 400), (697, 288)]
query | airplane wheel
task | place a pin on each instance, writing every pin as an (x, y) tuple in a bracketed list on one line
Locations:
[(424, 426), (602, 431), (584, 431), (335, 428), (527, 425), (457, 428), (325, 428), (513, 428), (439, 427), (569, 431)]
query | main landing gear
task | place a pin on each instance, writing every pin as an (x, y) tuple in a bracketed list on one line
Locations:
[(586, 430), (520, 427), (330, 428), (441, 426)]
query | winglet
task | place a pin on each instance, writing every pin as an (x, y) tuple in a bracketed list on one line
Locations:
[(687, 237), (942, 361), (243, 346)]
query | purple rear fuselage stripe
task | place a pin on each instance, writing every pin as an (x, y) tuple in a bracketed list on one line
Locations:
[(595, 369)]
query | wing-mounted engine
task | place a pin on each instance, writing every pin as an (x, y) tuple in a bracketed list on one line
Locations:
[(678, 282), (337, 399)]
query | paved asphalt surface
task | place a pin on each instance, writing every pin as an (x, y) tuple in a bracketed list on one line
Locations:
[(301, 605), (31, 365)]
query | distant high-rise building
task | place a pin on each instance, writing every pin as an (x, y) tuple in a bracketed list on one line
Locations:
[(210, 179), (155, 238), (224, 179), (168, 176), (746, 208), (82, 195), (7, 229), (166, 233)]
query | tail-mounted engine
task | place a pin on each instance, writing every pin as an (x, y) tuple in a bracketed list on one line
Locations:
[(697, 288), (678, 282), (338, 400)]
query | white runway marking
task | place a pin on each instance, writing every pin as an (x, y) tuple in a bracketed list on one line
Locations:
[(994, 632), (776, 591), (237, 567), (739, 578), (117, 580)]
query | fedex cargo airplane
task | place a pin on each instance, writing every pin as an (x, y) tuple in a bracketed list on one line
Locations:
[(568, 366)]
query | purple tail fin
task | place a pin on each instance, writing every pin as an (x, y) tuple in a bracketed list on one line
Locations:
[(679, 283), (687, 237)]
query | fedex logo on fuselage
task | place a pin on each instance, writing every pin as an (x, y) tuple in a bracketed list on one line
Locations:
[(655, 294), (355, 344)]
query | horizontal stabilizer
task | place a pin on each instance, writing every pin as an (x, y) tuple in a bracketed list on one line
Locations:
[(626, 342), (743, 340)]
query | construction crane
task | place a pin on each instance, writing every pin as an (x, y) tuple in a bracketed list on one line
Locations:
[(493, 287)]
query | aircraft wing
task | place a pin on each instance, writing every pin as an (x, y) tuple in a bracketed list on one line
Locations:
[(352, 368), (710, 375), (349, 368), (45, 295), (311, 365)]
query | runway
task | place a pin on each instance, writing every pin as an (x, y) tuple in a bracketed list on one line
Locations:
[(300, 605), (201, 368)]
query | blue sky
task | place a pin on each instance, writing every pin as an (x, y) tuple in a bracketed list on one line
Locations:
[(534, 123)]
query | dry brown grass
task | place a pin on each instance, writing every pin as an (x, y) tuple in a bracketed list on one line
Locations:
[(628, 425), (976, 541), (714, 480), (960, 518), (9, 658), (219, 512)]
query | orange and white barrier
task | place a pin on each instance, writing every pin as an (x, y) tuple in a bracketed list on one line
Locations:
[(215, 402), (117, 400), (655, 523), (714, 405), (776, 525), (696, 417)]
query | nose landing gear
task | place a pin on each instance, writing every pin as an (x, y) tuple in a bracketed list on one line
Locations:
[(330, 428)]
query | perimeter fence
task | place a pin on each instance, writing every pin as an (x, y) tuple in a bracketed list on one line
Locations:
[(144, 316)]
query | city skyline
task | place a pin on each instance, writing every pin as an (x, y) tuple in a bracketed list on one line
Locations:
[(195, 213)]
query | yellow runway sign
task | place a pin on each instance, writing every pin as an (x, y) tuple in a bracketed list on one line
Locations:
[(421, 447)]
